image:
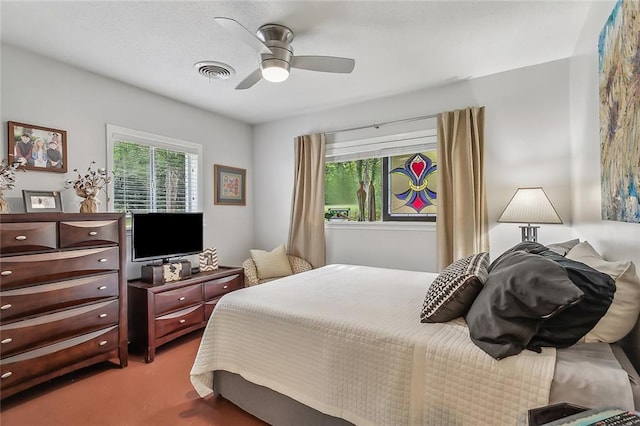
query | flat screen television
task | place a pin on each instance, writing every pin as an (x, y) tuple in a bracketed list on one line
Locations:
[(162, 236)]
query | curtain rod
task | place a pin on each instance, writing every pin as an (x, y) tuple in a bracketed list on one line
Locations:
[(378, 125)]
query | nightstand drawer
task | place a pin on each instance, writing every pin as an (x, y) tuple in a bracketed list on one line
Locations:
[(24, 335), (172, 300), (30, 365), (50, 297), (216, 288), (179, 320), (88, 233), (26, 237), (34, 268)]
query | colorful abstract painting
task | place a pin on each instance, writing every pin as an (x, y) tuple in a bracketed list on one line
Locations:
[(619, 67)]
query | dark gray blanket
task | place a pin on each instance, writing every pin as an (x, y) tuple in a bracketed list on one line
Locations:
[(534, 297)]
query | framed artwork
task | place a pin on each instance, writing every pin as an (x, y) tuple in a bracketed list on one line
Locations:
[(41, 201), (44, 149), (618, 53), (230, 185), (208, 259)]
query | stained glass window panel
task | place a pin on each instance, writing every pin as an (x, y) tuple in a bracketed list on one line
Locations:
[(410, 191)]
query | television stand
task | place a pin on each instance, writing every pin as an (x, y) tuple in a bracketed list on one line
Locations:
[(160, 314)]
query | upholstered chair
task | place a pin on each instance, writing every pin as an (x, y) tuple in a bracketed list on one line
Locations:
[(251, 272)]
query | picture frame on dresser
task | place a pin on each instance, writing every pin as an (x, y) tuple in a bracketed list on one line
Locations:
[(41, 201)]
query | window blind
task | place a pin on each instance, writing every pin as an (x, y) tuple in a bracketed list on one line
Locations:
[(382, 146), (154, 174)]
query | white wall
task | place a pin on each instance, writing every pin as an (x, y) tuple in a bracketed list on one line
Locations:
[(615, 240), (527, 144), (40, 91)]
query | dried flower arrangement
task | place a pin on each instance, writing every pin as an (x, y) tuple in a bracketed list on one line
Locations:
[(8, 179), (88, 186)]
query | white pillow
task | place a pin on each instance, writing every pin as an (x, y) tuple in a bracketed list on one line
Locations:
[(271, 264), (625, 308)]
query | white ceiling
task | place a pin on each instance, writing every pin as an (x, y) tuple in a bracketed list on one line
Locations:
[(399, 46)]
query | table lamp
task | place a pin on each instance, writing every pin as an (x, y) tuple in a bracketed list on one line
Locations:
[(529, 205)]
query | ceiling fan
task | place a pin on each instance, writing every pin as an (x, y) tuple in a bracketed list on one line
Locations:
[(273, 43)]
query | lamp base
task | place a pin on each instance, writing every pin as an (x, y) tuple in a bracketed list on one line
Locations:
[(529, 233)]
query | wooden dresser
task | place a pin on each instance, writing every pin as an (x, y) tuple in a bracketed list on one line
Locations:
[(63, 299), (161, 313)]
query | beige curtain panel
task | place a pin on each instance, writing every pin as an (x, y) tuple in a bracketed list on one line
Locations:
[(306, 230), (462, 223)]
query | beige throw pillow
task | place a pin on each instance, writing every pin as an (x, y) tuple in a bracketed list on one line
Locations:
[(271, 264), (625, 308)]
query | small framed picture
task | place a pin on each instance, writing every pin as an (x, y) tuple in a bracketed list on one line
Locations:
[(41, 201), (208, 259), (230, 185), (43, 149)]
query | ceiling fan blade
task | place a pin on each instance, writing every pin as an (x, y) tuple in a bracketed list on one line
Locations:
[(250, 80), (324, 63), (235, 28)]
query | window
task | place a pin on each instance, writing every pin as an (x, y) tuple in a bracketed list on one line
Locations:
[(399, 170), (152, 173)]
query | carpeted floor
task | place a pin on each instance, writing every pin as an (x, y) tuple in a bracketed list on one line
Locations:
[(158, 393)]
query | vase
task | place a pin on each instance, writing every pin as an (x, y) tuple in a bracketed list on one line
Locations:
[(89, 205), (372, 202), (362, 196), (4, 206)]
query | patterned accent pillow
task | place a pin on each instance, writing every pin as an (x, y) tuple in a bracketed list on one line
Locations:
[(454, 290)]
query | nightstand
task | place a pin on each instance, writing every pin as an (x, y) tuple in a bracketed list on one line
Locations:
[(161, 313)]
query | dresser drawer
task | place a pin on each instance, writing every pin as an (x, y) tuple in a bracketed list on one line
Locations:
[(24, 335), (216, 288), (179, 320), (88, 233), (50, 297), (29, 365), (34, 268), (173, 300), (26, 237)]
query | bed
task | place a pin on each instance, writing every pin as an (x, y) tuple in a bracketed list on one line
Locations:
[(343, 344)]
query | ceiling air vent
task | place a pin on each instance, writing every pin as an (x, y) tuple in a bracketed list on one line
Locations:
[(214, 70)]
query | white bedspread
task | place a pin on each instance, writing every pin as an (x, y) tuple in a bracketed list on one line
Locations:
[(347, 341)]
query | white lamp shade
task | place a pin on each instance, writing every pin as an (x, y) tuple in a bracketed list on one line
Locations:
[(530, 205)]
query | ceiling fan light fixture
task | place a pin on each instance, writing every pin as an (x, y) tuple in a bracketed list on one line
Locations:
[(275, 70)]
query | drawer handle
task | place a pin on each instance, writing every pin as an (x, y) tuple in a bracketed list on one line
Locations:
[(5, 307), (5, 273), (104, 342), (102, 287), (182, 321), (182, 298), (102, 316), (7, 340), (225, 287), (21, 237), (7, 374), (93, 233), (103, 260)]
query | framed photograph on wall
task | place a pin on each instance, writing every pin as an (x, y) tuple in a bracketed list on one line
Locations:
[(41, 201), (43, 148), (230, 187)]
